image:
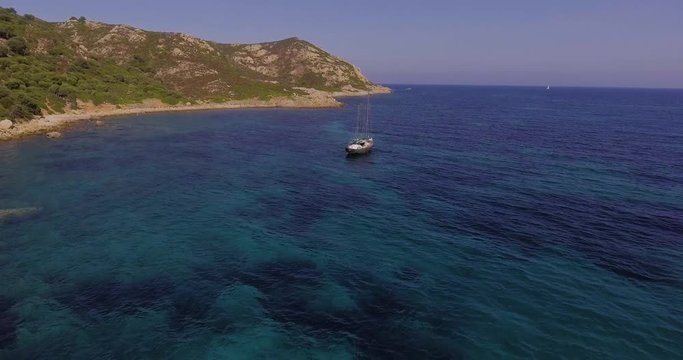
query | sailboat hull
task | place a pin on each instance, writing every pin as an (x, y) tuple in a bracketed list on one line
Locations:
[(362, 148)]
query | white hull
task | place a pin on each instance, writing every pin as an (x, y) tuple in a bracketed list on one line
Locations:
[(360, 147)]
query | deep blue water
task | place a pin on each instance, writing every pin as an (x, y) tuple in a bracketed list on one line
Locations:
[(488, 223)]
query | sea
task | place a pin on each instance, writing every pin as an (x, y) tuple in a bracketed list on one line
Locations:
[(487, 223)]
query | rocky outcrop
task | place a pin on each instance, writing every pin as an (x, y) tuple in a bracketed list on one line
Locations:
[(297, 62), (19, 213), (54, 135), (369, 90), (5, 125)]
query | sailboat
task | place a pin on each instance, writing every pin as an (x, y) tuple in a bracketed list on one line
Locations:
[(362, 142), (548, 88)]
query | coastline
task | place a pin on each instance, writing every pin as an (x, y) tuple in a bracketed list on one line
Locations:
[(314, 99)]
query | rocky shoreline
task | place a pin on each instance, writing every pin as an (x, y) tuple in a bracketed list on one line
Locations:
[(48, 123)]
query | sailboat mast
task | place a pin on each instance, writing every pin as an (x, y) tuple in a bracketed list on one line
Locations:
[(358, 121), (367, 117)]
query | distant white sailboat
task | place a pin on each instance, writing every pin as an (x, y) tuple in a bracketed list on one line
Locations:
[(548, 88)]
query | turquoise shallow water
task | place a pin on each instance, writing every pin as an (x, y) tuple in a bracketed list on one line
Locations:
[(488, 223)]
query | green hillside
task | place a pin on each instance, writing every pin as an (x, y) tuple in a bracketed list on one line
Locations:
[(46, 67)]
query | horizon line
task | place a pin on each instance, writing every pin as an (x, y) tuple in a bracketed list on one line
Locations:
[(534, 86)]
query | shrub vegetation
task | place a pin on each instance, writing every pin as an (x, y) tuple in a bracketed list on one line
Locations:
[(47, 67)]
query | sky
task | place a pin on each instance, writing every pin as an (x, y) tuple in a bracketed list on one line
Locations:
[(619, 43)]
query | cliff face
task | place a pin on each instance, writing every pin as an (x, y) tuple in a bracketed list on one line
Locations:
[(118, 64), (296, 62)]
